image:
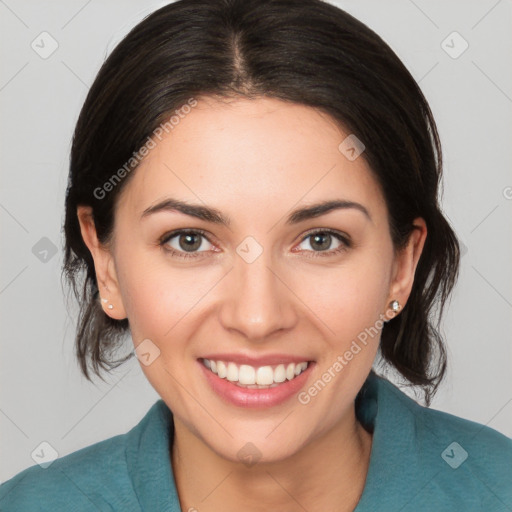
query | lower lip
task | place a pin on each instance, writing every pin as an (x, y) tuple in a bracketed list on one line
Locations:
[(245, 397)]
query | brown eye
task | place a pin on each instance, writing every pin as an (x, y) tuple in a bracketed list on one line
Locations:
[(321, 241), (189, 241), (325, 243), (182, 242)]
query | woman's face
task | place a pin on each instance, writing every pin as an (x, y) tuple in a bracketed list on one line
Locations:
[(258, 289)]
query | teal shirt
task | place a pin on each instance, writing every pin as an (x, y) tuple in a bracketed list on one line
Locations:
[(421, 460)]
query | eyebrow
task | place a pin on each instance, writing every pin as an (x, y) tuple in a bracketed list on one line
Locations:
[(213, 215)]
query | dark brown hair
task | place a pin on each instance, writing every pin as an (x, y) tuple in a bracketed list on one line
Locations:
[(303, 51)]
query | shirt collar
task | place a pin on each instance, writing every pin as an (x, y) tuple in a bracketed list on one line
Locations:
[(147, 457), (401, 444)]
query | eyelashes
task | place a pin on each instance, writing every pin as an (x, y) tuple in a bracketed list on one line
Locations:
[(189, 234)]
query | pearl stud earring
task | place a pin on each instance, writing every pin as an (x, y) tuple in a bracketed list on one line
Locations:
[(110, 306)]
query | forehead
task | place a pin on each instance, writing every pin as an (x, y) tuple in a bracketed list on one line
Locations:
[(252, 154)]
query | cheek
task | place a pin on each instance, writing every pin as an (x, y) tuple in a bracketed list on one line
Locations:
[(348, 298), (159, 298)]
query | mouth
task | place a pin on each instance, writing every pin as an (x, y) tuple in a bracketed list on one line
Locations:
[(247, 385), (250, 377)]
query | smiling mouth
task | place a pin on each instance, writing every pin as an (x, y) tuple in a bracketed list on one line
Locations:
[(250, 377)]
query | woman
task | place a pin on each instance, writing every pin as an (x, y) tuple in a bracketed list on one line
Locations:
[(253, 197)]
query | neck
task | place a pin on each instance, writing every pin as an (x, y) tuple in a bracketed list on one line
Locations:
[(327, 474)]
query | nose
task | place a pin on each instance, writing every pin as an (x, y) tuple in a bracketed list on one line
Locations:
[(257, 302)]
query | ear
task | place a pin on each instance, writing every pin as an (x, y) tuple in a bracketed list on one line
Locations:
[(405, 264), (103, 265)]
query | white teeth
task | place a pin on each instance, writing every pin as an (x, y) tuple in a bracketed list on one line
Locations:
[(232, 374), (280, 374), (221, 370), (300, 368), (264, 376), (290, 371), (248, 376)]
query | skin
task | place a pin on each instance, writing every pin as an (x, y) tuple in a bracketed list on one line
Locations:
[(255, 161)]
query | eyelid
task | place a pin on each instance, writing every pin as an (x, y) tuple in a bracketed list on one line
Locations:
[(183, 231), (343, 236)]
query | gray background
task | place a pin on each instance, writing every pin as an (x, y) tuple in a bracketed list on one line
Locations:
[(43, 395)]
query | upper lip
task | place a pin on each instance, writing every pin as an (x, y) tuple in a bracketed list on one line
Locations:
[(257, 361)]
